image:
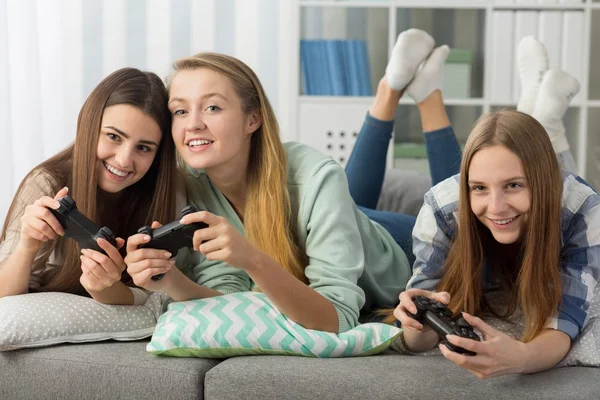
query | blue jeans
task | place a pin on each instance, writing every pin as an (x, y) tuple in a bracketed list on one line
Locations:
[(366, 169)]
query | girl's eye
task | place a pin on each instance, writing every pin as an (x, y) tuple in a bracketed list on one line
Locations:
[(514, 185), (477, 188), (144, 148), (213, 108), (114, 137), (178, 112)]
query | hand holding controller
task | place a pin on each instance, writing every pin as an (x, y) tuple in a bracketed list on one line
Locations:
[(78, 227), (441, 320), (173, 236)]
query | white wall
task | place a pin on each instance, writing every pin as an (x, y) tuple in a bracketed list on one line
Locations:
[(53, 53)]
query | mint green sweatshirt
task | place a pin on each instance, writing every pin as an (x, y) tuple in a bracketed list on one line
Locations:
[(353, 262)]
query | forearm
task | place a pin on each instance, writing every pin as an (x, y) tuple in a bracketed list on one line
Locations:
[(293, 298), (181, 288), (418, 342), (15, 272), (117, 294), (546, 350)]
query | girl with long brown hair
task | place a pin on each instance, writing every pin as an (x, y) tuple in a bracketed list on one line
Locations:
[(512, 238), (120, 170)]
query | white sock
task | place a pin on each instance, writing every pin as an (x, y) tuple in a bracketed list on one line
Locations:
[(553, 98), (412, 47), (532, 60), (430, 77)]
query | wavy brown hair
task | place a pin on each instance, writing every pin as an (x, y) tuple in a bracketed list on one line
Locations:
[(151, 198), (532, 281), (267, 193)]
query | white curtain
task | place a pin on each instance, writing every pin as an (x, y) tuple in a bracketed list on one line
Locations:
[(53, 53)]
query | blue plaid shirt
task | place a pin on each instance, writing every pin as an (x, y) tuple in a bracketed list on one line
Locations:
[(580, 237)]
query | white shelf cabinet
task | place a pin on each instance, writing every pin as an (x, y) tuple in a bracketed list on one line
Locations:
[(330, 123)]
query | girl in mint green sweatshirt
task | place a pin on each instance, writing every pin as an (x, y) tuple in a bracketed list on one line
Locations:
[(279, 216)]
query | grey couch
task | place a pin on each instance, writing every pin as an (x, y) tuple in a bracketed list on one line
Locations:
[(118, 370)]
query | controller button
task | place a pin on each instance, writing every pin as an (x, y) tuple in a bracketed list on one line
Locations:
[(462, 322)]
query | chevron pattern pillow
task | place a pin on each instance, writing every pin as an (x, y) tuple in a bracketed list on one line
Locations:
[(249, 324)]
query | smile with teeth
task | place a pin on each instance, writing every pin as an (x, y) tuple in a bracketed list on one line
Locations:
[(503, 221), (199, 142), (115, 171)]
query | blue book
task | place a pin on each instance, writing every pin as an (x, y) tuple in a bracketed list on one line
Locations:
[(352, 76), (363, 69), (335, 68)]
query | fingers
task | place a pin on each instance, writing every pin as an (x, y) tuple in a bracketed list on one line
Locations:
[(476, 322), (62, 193), (205, 235), (145, 254), (155, 224), (201, 216), (97, 271), (39, 211), (143, 271), (120, 242), (468, 344), (478, 365), (111, 251), (134, 241), (112, 270), (406, 321)]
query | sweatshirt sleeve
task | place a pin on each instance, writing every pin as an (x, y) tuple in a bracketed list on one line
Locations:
[(216, 275), (333, 243)]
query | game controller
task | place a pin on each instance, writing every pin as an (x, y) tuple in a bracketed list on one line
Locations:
[(173, 236), (78, 227), (442, 321)]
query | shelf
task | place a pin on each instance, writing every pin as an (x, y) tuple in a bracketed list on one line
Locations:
[(454, 4), (368, 100), (563, 7), (362, 4), (594, 103)]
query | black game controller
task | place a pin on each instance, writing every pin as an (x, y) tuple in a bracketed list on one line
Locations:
[(441, 320), (173, 236), (78, 227)]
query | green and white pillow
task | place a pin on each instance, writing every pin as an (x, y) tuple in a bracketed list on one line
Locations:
[(249, 324), (45, 319)]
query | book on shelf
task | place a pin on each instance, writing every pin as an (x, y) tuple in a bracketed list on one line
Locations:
[(334, 68)]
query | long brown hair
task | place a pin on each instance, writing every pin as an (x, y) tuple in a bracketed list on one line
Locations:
[(535, 285), (267, 193), (151, 198)]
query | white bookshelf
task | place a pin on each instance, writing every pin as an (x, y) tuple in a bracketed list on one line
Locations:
[(310, 119)]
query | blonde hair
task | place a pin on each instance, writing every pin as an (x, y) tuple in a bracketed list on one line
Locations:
[(268, 219)]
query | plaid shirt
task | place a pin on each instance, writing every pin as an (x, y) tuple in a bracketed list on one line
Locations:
[(436, 226)]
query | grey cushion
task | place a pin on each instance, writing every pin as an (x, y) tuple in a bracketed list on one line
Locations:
[(109, 370), (403, 192), (389, 376)]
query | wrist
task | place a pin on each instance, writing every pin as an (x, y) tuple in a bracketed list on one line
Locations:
[(28, 246)]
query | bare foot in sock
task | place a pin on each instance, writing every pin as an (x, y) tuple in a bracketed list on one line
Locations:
[(412, 47), (430, 77), (555, 93), (532, 61)]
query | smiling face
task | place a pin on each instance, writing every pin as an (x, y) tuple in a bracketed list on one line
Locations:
[(499, 193), (210, 128), (127, 145)]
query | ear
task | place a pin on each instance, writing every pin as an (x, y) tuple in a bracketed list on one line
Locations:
[(253, 121)]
